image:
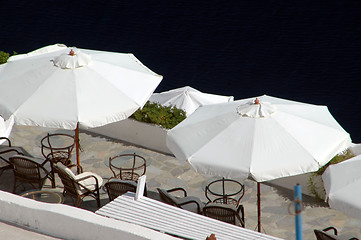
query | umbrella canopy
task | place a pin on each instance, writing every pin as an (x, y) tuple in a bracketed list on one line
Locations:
[(341, 182), (61, 87), (6, 127), (273, 139), (52, 88), (262, 139), (188, 99)]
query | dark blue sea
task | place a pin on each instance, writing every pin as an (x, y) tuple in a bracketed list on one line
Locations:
[(299, 50)]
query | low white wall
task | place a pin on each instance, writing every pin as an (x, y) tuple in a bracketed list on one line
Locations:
[(68, 222), (303, 180), (129, 130)]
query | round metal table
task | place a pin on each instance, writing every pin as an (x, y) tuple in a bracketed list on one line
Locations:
[(44, 196), (225, 191)]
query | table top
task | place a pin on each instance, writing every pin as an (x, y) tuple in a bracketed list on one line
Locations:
[(225, 187), (44, 196), (126, 162)]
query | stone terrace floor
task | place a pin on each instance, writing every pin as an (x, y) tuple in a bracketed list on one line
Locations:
[(165, 171)]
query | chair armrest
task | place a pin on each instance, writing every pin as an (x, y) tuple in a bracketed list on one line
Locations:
[(78, 180), (7, 139), (197, 202), (77, 167), (178, 189), (240, 215), (11, 150), (46, 161), (42, 166), (330, 228), (206, 194)]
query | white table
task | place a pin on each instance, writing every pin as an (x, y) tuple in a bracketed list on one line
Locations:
[(178, 222)]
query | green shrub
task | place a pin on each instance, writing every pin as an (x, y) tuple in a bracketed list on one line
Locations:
[(167, 117), (4, 56), (337, 159)]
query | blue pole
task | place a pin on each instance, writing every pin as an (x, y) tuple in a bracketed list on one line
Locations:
[(298, 211)]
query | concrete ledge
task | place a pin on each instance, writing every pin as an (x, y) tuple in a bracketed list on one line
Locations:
[(68, 222)]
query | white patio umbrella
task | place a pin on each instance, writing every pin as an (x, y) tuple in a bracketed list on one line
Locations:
[(267, 140), (188, 98), (342, 182), (61, 87)]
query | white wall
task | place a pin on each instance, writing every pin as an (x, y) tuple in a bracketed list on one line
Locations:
[(142, 134), (68, 222)]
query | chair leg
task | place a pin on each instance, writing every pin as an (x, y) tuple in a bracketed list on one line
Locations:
[(98, 198), (78, 201), (14, 188), (52, 180)]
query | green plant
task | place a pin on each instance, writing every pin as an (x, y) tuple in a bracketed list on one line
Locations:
[(167, 117), (4, 56), (315, 190)]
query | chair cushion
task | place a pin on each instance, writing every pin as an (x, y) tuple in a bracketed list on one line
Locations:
[(66, 169), (90, 183)]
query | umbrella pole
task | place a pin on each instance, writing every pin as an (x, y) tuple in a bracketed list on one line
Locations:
[(259, 205), (77, 146)]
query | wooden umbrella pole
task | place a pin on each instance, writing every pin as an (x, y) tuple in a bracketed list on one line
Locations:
[(77, 146), (259, 205)]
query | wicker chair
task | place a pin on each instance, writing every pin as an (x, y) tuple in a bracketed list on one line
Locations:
[(6, 151), (79, 186), (33, 171), (132, 166), (324, 234), (225, 213), (117, 187), (192, 204)]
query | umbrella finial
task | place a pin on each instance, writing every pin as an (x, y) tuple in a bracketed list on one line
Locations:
[(72, 53), (256, 101)]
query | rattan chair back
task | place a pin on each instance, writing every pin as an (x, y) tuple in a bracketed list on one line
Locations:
[(116, 187), (224, 213), (69, 184), (27, 170)]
